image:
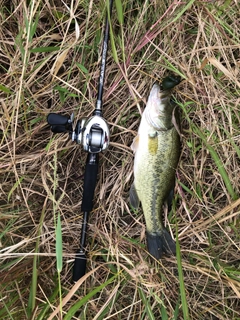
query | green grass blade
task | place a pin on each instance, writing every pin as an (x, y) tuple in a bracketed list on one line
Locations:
[(47, 305), (59, 249), (172, 68), (82, 68), (5, 89), (164, 315), (5, 313), (181, 281), (112, 300), (16, 184), (59, 254), (44, 49), (33, 26), (146, 304), (218, 163), (176, 311), (85, 299), (188, 5), (113, 46), (119, 8), (215, 157), (237, 149), (33, 289)]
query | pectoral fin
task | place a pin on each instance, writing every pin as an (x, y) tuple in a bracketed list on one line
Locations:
[(134, 145), (134, 200)]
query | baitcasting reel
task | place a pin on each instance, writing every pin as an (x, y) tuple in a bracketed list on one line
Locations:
[(93, 133)]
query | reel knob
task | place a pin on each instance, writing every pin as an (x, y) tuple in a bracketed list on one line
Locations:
[(59, 123)]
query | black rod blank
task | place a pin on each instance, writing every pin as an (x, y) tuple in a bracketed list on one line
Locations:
[(103, 63)]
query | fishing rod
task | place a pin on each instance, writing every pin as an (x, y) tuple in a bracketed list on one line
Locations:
[(93, 134)]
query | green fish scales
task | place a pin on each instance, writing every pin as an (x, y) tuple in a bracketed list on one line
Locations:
[(155, 185)]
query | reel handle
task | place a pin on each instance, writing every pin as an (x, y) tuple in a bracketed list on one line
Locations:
[(59, 123)]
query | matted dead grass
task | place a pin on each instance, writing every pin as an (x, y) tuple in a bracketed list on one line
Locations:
[(44, 68)]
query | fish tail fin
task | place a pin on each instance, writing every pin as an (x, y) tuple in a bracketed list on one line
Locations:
[(159, 243)]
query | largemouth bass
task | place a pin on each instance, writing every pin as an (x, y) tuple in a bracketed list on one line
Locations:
[(157, 150)]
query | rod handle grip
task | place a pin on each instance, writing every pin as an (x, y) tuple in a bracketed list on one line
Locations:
[(90, 180), (79, 267)]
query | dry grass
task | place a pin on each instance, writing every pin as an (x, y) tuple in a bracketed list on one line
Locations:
[(200, 41)]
